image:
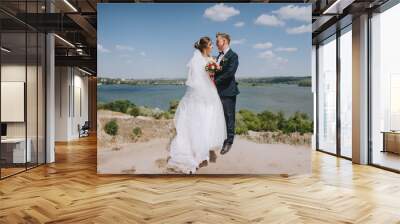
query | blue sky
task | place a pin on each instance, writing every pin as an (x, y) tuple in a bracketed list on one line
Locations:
[(153, 40)]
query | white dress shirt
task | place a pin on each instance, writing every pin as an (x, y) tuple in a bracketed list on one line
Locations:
[(220, 57)]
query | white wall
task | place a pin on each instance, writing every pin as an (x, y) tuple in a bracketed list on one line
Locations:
[(70, 83), (15, 73), (62, 81)]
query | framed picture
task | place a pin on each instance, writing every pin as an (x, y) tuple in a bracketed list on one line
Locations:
[(204, 88)]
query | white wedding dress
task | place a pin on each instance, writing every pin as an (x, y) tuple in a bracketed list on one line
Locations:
[(199, 119)]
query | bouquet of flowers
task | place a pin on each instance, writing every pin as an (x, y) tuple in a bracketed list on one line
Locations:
[(211, 68)]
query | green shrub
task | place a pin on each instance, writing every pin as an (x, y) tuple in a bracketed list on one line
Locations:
[(240, 125), (305, 83), (298, 122), (134, 111), (100, 106), (145, 111), (118, 106), (241, 130), (111, 127), (137, 131), (157, 115), (273, 122), (281, 120), (167, 115), (251, 120), (269, 121), (173, 105)]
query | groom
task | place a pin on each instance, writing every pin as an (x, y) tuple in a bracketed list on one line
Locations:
[(227, 85)]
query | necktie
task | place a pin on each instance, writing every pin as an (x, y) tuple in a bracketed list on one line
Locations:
[(219, 55)]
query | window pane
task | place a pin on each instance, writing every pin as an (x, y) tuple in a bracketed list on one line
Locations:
[(41, 98), (327, 95), (385, 89), (32, 88), (22, 88), (346, 92), (13, 85), (31, 98)]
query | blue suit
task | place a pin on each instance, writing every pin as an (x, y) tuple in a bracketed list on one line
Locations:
[(228, 90)]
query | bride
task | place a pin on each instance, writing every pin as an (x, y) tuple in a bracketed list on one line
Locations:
[(199, 119)]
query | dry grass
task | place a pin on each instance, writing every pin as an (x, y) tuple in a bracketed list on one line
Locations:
[(152, 128), (279, 137)]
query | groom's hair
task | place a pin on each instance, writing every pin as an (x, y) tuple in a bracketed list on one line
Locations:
[(224, 35)]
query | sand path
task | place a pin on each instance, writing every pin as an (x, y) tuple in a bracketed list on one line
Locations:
[(245, 157)]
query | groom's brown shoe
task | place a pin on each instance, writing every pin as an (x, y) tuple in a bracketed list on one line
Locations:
[(225, 149), (213, 156)]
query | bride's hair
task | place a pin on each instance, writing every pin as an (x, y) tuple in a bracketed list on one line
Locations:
[(202, 43)]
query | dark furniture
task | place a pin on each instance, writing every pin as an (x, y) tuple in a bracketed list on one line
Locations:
[(84, 130), (391, 141), (3, 129)]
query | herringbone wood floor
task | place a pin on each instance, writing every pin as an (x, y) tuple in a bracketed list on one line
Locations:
[(70, 191)]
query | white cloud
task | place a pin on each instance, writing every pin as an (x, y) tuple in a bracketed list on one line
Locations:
[(129, 61), (220, 12), (282, 60), (143, 53), (272, 57), (239, 24), (265, 45), (124, 48), (240, 41), (268, 20), (102, 49), (299, 29), (125, 56), (286, 49), (300, 13), (267, 54)]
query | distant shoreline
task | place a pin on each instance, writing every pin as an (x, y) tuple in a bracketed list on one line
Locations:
[(303, 81), (288, 98)]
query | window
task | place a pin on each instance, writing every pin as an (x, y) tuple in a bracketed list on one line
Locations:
[(385, 89), (327, 95), (346, 92), (22, 77)]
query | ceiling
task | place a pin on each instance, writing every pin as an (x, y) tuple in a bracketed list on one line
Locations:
[(75, 21), (330, 15)]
